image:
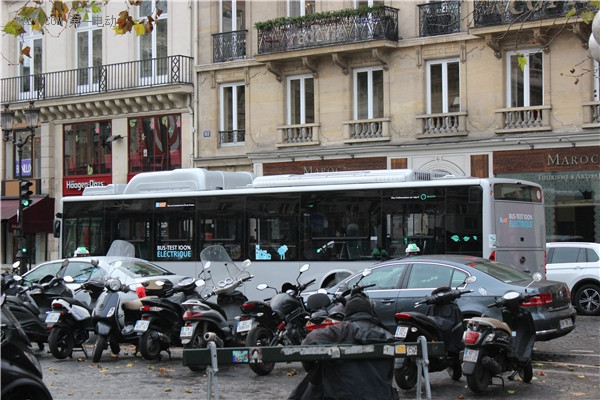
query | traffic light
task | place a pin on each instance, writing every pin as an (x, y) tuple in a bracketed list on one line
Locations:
[(25, 193)]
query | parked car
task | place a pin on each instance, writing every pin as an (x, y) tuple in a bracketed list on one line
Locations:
[(129, 270), (578, 265), (400, 283)]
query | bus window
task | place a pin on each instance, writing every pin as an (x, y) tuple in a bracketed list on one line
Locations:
[(273, 227), (336, 225), (221, 222), (174, 221)]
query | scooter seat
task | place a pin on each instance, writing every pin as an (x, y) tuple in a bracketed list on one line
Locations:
[(134, 305), (493, 322)]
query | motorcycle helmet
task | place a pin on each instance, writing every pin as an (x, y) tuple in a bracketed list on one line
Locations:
[(358, 304)]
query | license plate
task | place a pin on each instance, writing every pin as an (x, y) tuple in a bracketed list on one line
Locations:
[(244, 326), (401, 332), (566, 323), (52, 317), (141, 325), (470, 355), (186, 332)]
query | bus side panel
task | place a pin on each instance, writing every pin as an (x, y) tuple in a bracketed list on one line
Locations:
[(520, 235)]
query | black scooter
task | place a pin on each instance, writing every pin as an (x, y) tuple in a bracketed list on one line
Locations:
[(443, 322), (493, 346), (281, 321), (162, 318), (21, 371)]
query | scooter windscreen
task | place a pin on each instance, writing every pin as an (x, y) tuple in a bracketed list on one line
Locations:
[(219, 269)]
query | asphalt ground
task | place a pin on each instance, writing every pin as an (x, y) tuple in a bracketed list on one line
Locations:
[(564, 368)]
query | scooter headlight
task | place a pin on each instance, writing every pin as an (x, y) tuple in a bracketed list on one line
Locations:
[(490, 337), (110, 312), (114, 285)]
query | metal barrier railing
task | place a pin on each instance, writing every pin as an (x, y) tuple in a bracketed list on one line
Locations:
[(212, 356)]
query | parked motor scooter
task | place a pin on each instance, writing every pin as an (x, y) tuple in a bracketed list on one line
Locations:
[(493, 346), (31, 304), (443, 321), (201, 316), (21, 371), (114, 319), (281, 321), (162, 318), (70, 320)]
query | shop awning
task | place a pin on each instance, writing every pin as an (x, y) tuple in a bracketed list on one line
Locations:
[(38, 217)]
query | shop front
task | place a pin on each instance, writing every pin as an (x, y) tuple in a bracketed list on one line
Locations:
[(570, 177)]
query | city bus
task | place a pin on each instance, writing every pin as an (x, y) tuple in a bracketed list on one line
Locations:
[(337, 222)]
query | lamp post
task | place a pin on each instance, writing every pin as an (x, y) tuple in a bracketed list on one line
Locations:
[(32, 115)]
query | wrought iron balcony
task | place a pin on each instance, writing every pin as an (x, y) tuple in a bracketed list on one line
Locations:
[(173, 70), (488, 13), (439, 18), (332, 28), (229, 46)]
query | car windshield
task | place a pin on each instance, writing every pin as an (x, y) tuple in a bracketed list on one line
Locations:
[(140, 269), (501, 272)]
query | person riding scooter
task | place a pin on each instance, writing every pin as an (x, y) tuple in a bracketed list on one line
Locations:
[(349, 379)]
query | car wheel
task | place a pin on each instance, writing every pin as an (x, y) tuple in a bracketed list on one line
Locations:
[(587, 299)]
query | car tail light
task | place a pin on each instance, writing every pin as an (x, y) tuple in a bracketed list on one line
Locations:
[(541, 300), (493, 256), (472, 337)]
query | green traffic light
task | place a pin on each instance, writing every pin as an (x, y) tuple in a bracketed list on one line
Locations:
[(26, 203)]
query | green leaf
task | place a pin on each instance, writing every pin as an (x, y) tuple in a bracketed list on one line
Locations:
[(13, 28), (522, 60), (571, 12), (587, 16), (96, 9), (139, 29)]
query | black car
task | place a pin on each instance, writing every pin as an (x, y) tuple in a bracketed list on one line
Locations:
[(399, 284)]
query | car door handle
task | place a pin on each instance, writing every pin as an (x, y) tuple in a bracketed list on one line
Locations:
[(388, 301)]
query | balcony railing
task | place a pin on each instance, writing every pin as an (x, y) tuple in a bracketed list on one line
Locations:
[(229, 46), (334, 29), (523, 119), (233, 137), (376, 129), (499, 12), (439, 18), (102, 79), (300, 134), (441, 125)]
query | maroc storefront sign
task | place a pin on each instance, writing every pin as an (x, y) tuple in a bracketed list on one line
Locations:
[(313, 166), (547, 160)]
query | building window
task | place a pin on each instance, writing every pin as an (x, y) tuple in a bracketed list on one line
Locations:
[(232, 15), (443, 86), (233, 114), (31, 68), (596, 81), (366, 3), (89, 54), (298, 8), (30, 160), (155, 143), (300, 100), (153, 46), (86, 151), (525, 86), (368, 93)]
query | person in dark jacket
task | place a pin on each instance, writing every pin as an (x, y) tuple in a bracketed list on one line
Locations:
[(361, 379)]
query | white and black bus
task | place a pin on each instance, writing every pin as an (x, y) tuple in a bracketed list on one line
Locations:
[(337, 222)]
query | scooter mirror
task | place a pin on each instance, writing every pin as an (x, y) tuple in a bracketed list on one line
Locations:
[(16, 265), (17, 278), (200, 282), (68, 279), (207, 266), (322, 291), (511, 295), (470, 279), (367, 272), (246, 263), (304, 268), (65, 262), (262, 286), (537, 277), (95, 262)]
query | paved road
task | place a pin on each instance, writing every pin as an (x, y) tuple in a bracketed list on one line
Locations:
[(566, 368)]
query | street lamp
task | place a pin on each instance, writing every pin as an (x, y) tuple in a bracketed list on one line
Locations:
[(32, 115)]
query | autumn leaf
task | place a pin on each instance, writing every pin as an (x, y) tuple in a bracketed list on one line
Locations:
[(187, 391), (151, 367), (167, 389), (460, 396), (541, 373), (162, 370), (140, 29), (12, 27)]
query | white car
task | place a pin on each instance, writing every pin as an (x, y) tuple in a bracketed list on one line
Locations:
[(578, 265)]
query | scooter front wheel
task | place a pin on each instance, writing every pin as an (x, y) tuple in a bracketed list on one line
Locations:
[(150, 345), (61, 342), (406, 375), (99, 347), (259, 336), (479, 380)]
